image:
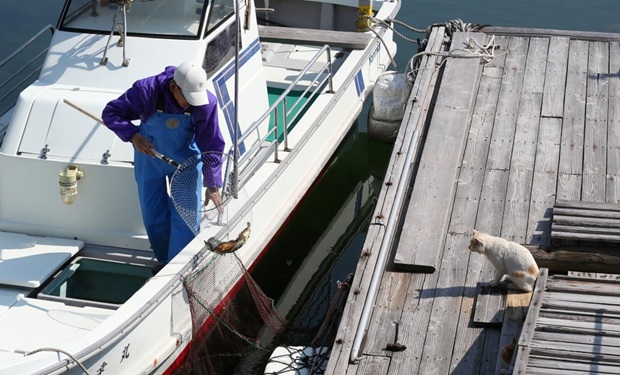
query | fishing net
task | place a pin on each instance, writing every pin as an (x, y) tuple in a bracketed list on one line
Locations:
[(236, 328), (231, 318), (198, 178)]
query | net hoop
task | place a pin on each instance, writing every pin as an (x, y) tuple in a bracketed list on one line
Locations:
[(192, 182)]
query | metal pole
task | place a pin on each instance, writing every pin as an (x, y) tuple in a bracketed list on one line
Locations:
[(383, 251), (234, 185)]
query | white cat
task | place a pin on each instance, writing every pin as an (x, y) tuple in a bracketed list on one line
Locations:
[(508, 258)]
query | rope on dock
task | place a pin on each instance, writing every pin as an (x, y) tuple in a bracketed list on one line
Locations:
[(451, 26), (474, 49)]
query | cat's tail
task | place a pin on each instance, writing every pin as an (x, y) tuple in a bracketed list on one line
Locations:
[(525, 279)]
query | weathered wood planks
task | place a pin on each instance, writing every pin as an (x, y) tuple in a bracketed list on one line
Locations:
[(422, 240), (572, 326), (586, 221), (542, 127), (490, 303), (415, 120), (340, 39)]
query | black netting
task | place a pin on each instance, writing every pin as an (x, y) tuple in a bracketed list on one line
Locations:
[(228, 327)]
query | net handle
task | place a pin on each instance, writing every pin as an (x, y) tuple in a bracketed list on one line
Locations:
[(158, 154)]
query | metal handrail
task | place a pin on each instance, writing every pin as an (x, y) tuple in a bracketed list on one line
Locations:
[(253, 158), (28, 66)]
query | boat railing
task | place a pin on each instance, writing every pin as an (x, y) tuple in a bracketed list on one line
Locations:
[(21, 68), (284, 114)]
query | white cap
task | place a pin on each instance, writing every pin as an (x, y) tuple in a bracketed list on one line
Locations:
[(193, 83)]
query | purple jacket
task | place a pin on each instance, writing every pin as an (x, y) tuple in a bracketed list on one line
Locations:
[(140, 102)]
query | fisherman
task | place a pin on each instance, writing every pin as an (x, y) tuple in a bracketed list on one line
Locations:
[(179, 119)]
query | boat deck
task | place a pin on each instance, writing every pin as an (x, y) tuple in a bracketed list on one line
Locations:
[(493, 145)]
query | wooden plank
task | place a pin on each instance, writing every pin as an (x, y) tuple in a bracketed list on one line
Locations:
[(492, 200), (599, 206), (583, 316), (569, 185), (595, 135), (552, 366), (571, 150), (517, 304), (516, 210), (611, 212), (502, 140), (414, 311), (397, 292), (613, 128), (555, 78), (577, 327), (565, 260), (544, 182), (584, 236), (573, 344), (556, 299), (612, 230), (472, 171), (560, 354), (413, 120), (488, 360), (291, 35), (490, 304), (585, 221), (414, 321), (591, 275), (529, 325), (538, 32), (590, 340), (374, 365), (446, 307), (559, 281), (475, 348), (417, 249)]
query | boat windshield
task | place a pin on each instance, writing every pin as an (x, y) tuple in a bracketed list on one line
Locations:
[(170, 18)]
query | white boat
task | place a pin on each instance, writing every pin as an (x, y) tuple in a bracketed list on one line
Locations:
[(76, 290)]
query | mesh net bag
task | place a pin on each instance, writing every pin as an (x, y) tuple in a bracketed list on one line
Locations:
[(199, 177), (230, 320), (235, 326)]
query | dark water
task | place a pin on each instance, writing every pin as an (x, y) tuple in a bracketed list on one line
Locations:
[(322, 242)]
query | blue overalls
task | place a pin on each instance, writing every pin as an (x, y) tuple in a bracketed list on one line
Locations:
[(173, 136)]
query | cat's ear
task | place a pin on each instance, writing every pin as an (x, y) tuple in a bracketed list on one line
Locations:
[(475, 241), (476, 232)]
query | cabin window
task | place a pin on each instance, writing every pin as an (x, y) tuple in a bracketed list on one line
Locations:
[(220, 50), (170, 18), (220, 11)]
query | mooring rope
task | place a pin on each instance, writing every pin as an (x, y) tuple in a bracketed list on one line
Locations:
[(474, 49), (485, 52)]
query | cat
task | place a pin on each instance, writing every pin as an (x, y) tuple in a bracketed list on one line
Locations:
[(509, 258)]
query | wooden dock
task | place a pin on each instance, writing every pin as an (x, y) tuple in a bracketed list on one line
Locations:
[(572, 327), (495, 145)]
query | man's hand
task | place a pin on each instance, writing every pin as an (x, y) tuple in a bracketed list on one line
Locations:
[(143, 145), (213, 194)]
